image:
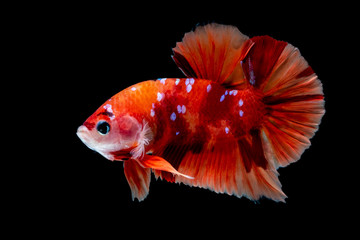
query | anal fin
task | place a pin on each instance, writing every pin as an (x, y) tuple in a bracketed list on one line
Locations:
[(227, 166)]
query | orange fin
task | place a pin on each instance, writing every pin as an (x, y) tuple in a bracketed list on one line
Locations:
[(158, 163), (226, 166), (138, 179), (213, 52), (293, 96)]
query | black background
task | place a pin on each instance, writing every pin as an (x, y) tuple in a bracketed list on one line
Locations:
[(89, 52)]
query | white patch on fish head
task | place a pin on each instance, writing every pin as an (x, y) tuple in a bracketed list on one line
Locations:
[(108, 108), (101, 137), (112, 138)]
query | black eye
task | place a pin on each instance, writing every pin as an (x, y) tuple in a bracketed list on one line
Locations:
[(103, 127)]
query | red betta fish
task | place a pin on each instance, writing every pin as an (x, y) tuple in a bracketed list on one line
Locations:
[(246, 107)]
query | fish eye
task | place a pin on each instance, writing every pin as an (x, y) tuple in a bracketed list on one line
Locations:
[(103, 127)]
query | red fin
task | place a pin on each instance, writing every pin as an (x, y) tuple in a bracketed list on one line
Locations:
[(293, 96), (261, 59), (175, 153), (227, 166), (158, 163), (252, 151), (213, 52), (138, 179)]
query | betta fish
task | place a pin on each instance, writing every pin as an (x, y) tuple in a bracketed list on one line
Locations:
[(245, 107)]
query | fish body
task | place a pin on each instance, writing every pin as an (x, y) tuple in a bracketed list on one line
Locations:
[(188, 110), (246, 107)]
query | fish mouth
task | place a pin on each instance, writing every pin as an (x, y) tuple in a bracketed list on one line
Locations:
[(82, 133)]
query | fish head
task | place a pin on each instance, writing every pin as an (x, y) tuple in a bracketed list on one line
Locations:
[(115, 134)]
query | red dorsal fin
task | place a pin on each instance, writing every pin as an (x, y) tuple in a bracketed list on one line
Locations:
[(213, 52)]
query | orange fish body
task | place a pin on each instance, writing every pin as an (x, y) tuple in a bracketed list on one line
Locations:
[(247, 107)]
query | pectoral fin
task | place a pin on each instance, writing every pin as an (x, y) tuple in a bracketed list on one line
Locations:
[(158, 163)]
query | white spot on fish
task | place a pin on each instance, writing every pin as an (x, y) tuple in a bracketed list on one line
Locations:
[(241, 113), (222, 98), (160, 96), (152, 112), (226, 92), (192, 81), (208, 88), (188, 88), (177, 133), (226, 130), (241, 102), (108, 108), (153, 105), (133, 89), (187, 81), (177, 81), (162, 80), (252, 75), (183, 109), (233, 92), (173, 116)]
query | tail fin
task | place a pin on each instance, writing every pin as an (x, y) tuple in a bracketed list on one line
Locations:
[(292, 92), (213, 52), (294, 102), (293, 96)]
